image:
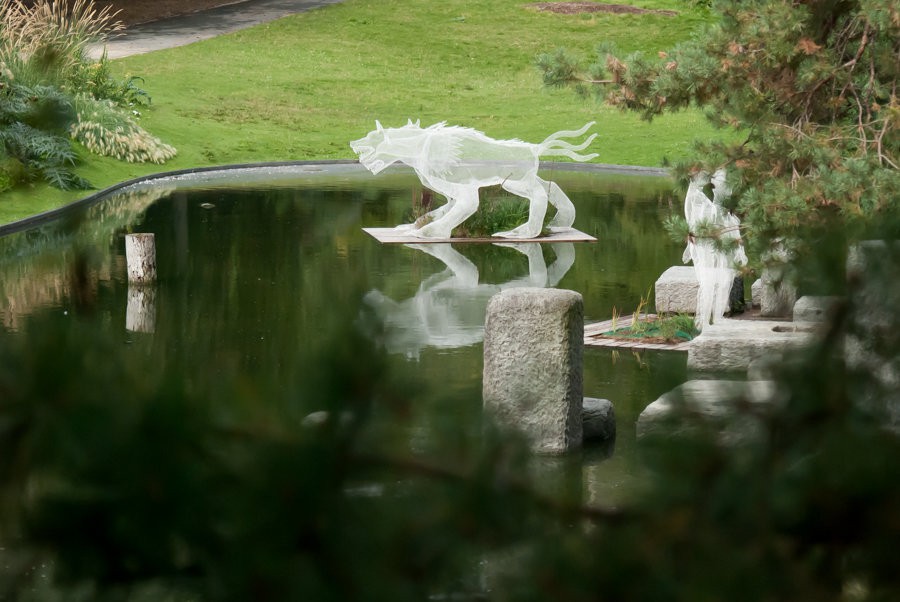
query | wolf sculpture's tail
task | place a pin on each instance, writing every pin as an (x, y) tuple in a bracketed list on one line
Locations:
[(553, 146)]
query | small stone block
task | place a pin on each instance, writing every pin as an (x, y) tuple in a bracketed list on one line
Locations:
[(598, 419), (533, 365), (676, 291)]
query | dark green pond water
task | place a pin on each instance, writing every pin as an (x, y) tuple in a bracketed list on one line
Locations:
[(256, 269)]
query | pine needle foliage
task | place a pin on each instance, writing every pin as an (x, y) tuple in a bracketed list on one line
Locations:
[(147, 475), (810, 85)]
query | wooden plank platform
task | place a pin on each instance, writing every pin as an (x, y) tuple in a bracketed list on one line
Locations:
[(393, 236), (593, 338)]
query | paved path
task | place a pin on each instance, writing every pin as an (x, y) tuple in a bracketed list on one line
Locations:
[(187, 29)]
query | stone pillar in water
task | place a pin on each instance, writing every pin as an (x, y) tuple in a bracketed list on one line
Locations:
[(533, 365)]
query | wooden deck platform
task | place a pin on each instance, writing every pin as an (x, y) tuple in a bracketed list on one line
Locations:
[(393, 236), (593, 338)]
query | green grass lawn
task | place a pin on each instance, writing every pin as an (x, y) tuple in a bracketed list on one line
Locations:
[(302, 87)]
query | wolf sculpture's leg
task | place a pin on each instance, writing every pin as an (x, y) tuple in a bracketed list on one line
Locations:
[(427, 218), (534, 191), (565, 210), (463, 201)]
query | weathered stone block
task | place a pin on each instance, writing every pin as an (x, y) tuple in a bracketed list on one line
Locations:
[(533, 365), (676, 291), (778, 293), (756, 293)]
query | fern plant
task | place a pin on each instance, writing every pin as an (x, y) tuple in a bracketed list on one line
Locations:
[(33, 136), (43, 155)]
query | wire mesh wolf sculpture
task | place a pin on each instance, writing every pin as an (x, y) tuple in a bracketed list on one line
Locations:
[(456, 161)]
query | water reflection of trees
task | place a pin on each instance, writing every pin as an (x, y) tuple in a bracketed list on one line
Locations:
[(38, 265)]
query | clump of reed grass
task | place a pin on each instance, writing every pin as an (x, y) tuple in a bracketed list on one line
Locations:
[(672, 328), (48, 38), (104, 130)]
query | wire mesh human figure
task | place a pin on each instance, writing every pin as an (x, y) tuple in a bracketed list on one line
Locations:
[(714, 267)]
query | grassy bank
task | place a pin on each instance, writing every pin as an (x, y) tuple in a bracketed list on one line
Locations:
[(304, 86)]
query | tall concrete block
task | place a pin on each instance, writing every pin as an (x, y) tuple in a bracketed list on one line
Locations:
[(533, 365)]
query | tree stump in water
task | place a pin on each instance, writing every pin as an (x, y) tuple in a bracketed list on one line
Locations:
[(140, 255)]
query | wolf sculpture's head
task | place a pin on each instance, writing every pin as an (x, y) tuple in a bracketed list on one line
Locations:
[(376, 150)]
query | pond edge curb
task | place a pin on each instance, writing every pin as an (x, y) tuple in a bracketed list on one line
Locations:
[(46, 216)]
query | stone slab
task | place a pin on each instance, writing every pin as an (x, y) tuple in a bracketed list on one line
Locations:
[(709, 402), (398, 236), (811, 308), (533, 365), (731, 345)]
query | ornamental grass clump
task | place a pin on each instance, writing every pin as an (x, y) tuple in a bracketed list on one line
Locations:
[(104, 130), (48, 40)]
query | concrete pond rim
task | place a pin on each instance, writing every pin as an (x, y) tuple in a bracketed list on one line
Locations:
[(44, 217)]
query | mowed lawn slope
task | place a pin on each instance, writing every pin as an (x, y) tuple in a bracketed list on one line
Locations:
[(302, 87)]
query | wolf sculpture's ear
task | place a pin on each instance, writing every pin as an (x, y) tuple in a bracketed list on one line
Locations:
[(378, 126)]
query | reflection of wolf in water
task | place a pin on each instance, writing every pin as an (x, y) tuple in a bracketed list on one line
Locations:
[(456, 161), (448, 309)]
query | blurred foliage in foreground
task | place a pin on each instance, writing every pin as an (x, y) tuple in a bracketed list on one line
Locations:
[(123, 479)]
